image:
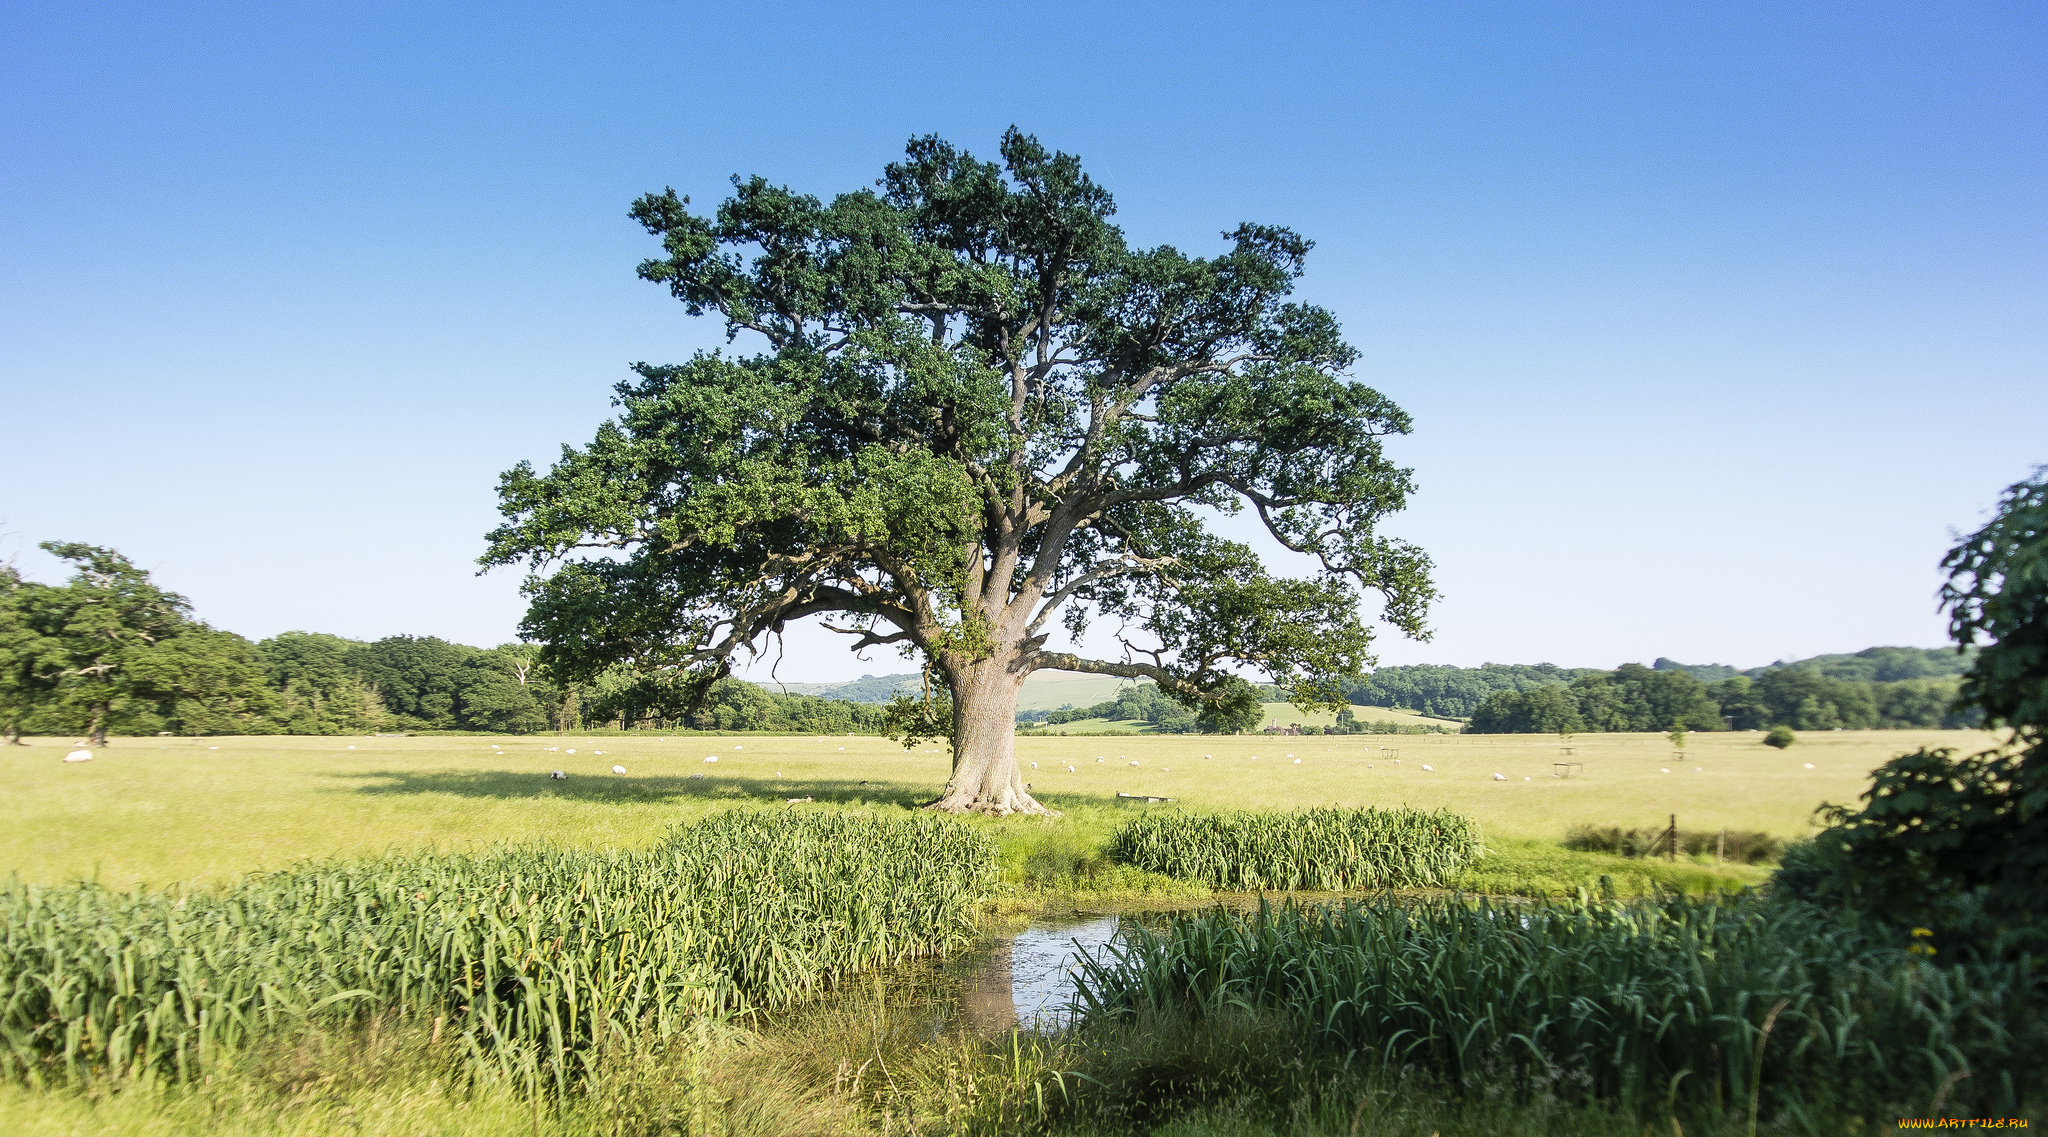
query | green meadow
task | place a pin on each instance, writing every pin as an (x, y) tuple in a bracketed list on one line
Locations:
[(161, 810), (682, 955)]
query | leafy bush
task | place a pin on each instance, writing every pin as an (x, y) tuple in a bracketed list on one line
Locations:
[(1743, 847), (1780, 737), (1318, 849)]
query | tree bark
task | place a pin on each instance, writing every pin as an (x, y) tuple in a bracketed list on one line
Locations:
[(985, 775)]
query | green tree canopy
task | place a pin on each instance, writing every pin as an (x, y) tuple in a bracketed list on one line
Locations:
[(1937, 829), (971, 408)]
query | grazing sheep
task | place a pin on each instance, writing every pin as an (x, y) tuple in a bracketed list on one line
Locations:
[(694, 778), (1297, 761), (795, 800), (1134, 761), (711, 757), (1071, 770), (558, 776), (1428, 767), (1500, 777), (572, 750), (1034, 765), (79, 756), (618, 769)]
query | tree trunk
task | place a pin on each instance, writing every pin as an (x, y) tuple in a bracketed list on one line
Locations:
[(13, 734), (96, 734), (985, 775)]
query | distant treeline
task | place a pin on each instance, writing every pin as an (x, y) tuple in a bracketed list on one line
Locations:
[(1146, 703), (1637, 698), (1460, 692), (1446, 692), (110, 653), (1143, 702)]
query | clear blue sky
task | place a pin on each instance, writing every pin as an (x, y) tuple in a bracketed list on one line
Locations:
[(1715, 320)]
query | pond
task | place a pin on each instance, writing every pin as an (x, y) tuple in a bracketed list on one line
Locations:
[(1026, 978)]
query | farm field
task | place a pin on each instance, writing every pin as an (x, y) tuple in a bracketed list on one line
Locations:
[(158, 810)]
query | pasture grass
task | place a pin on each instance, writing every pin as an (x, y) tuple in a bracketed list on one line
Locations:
[(156, 811)]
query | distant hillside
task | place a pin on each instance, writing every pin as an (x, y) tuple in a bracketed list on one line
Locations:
[(877, 689), (1045, 690), (1052, 690), (1871, 665)]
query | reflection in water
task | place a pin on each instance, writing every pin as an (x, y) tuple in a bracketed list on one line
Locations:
[(1028, 979)]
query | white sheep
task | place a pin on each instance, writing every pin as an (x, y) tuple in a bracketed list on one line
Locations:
[(79, 756), (711, 757), (1500, 777), (558, 776), (618, 769), (1428, 767), (1297, 761)]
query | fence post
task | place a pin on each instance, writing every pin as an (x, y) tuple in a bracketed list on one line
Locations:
[(1672, 833)]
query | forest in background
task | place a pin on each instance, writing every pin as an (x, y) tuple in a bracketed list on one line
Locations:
[(109, 652)]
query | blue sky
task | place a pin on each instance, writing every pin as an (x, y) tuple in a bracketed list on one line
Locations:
[(1715, 321)]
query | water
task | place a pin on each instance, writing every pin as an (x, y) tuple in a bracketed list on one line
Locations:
[(1027, 979)]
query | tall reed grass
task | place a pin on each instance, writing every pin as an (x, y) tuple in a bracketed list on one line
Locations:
[(530, 959), (1666, 1006), (1307, 849)]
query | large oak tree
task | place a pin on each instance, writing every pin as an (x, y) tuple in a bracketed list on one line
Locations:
[(967, 408)]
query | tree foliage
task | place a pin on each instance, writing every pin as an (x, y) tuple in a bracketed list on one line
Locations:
[(973, 407), (1937, 828)]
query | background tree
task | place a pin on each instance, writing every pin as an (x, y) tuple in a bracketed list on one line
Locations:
[(1938, 830), (94, 631), (24, 680), (975, 408)]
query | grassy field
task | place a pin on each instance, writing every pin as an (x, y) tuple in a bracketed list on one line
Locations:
[(153, 811)]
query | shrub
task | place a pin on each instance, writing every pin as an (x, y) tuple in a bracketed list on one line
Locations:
[(1780, 737), (1743, 847)]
